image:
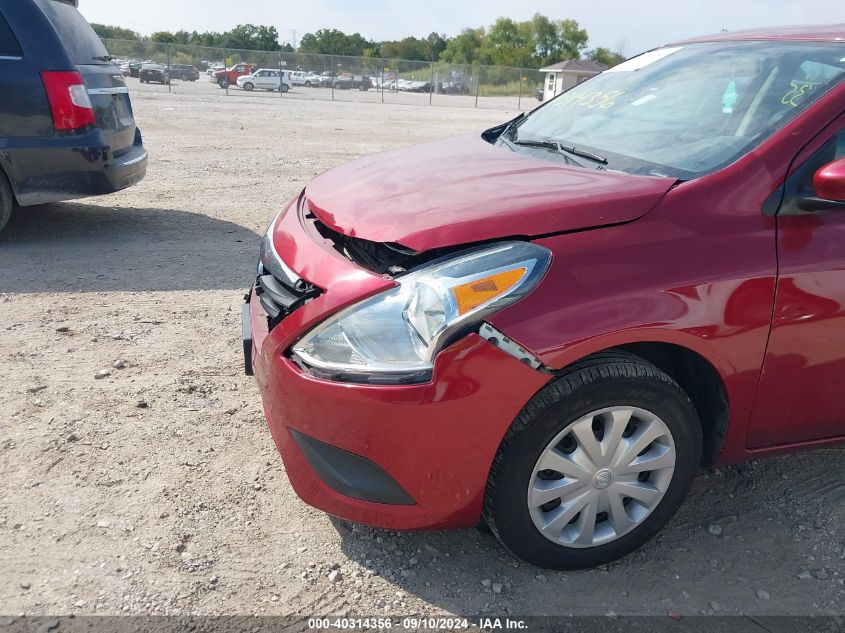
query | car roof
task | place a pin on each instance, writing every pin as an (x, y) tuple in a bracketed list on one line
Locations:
[(797, 33)]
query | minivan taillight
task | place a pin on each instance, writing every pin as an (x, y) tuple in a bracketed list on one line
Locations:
[(69, 100)]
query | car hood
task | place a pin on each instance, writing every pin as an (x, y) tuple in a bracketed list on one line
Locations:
[(464, 190)]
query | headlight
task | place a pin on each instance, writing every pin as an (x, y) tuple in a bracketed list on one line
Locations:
[(394, 336)]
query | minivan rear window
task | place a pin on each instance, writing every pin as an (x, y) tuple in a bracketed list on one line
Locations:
[(9, 46), (80, 40)]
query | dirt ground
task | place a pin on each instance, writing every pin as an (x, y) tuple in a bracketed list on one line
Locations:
[(157, 488)]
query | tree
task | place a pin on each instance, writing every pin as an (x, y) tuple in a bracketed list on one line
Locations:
[(571, 41), (534, 43), (332, 41), (251, 37), (508, 44), (115, 32), (605, 56), (435, 45), (464, 48)]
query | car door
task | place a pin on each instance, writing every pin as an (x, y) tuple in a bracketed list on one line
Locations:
[(259, 79), (799, 396)]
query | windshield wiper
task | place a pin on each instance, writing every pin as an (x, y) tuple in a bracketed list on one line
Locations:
[(546, 144), (104, 58), (583, 154)]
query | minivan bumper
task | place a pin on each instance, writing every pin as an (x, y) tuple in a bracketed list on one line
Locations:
[(54, 169)]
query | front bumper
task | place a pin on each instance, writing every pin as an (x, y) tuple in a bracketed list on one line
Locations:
[(435, 441)]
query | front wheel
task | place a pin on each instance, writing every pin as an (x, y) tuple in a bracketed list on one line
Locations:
[(595, 464), (248, 86), (284, 88), (223, 83)]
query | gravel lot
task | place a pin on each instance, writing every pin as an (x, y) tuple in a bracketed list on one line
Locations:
[(157, 489)]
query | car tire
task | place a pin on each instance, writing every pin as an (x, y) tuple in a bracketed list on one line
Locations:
[(284, 88), (223, 83), (248, 86), (591, 400), (7, 200), (307, 84)]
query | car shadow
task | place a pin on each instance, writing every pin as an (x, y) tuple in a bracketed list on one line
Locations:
[(78, 247)]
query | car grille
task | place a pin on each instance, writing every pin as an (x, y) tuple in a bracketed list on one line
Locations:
[(280, 295)]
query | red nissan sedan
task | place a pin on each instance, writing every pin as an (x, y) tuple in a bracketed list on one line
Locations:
[(553, 325)]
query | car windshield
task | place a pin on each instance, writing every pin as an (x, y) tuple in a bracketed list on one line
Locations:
[(682, 111)]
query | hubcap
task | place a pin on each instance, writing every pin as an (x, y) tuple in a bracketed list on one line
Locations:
[(601, 476)]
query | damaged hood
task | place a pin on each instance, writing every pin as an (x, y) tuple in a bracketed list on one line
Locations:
[(464, 190)]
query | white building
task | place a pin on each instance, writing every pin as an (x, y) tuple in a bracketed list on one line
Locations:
[(563, 75)]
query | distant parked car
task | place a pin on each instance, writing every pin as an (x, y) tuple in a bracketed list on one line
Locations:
[(213, 68), (185, 72), (227, 77), (302, 78), (135, 69), (454, 88), (154, 73), (265, 79), (325, 79), (350, 82), (67, 132), (312, 79)]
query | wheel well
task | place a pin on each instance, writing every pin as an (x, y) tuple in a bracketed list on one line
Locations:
[(701, 382), (5, 176)]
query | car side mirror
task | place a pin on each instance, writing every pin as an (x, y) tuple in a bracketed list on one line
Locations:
[(829, 181)]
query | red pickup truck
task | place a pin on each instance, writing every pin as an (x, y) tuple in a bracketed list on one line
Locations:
[(225, 78)]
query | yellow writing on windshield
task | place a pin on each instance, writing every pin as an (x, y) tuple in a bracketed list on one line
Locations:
[(797, 90)]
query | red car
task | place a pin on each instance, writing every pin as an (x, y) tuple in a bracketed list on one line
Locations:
[(553, 325), (229, 76)]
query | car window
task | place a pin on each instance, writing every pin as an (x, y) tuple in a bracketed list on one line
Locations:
[(685, 111), (9, 46), (79, 39)]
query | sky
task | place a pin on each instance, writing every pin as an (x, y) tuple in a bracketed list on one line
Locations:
[(631, 26)]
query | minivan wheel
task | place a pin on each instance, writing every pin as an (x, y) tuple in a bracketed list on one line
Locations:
[(284, 88), (7, 201), (594, 465)]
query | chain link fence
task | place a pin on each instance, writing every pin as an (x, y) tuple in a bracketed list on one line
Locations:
[(214, 71)]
